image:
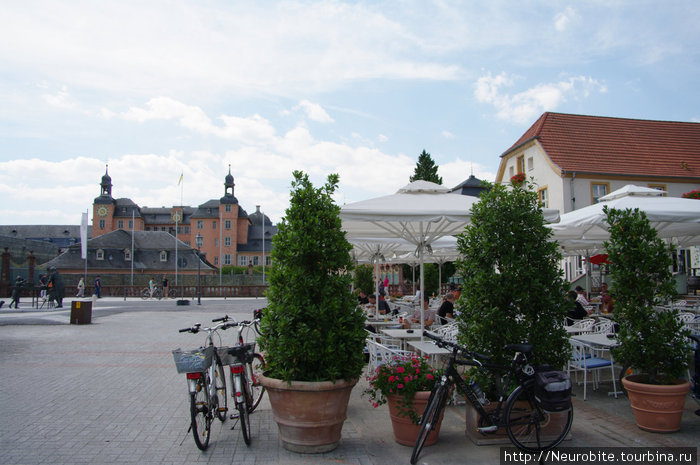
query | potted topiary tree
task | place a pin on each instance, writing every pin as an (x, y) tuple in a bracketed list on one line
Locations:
[(512, 284), (653, 343), (312, 333)]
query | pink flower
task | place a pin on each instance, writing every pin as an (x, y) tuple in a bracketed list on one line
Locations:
[(399, 369), (400, 386), (429, 376)]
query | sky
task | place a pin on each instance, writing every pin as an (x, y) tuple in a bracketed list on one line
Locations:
[(159, 89)]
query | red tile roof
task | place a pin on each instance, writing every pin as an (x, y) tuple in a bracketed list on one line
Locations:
[(597, 144)]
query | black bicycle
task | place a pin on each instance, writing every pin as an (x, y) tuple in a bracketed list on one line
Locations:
[(533, 423)]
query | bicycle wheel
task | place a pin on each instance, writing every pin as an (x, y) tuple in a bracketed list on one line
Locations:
[(171, 292), (243, 412), (200, 414), (145, 294), (530, 428), (430, 418), (255, 388), (220, 388)]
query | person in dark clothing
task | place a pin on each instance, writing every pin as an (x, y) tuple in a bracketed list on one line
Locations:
[(17, 291), (576, 310), (58, 290), (383, 307), (98, 287), (447, 308), (362, 298)]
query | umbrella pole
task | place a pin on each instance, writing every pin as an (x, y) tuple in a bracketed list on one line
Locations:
[(423, 295), (376, 286)]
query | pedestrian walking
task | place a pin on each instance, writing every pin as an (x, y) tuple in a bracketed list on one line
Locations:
[(98, 287), (17, 291), (81, 288)]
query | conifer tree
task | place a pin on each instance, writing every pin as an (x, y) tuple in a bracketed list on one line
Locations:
[(426, 169)]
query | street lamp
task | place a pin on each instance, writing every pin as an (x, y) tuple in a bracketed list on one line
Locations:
[(199, 240)]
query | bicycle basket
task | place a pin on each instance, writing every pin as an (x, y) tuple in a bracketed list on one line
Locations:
[(553, 391), (237, 354), (193, 361)]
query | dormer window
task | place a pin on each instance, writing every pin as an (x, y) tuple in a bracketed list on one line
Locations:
[(127, 255), (100, 254), (163, 256)]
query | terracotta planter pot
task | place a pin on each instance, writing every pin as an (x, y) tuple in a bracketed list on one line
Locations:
[(309, 415), (657, 408), (405, 432)]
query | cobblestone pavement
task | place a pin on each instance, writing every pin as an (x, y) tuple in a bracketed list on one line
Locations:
[(108, 393)]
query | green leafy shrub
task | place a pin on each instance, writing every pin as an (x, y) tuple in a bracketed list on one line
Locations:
[(651, 341), (312, 330), (513, 289), (364, 279)]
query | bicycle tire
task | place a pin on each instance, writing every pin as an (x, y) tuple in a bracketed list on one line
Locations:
[(171, 293), (220, 389), (255, 387), (200, 415), (530, 428), (145, 294), (430, 418), (243, 415)]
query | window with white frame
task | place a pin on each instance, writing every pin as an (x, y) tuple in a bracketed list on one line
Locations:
[(102, 224), (100, 254), (255, 260), (120, 224), (200, 224), (227, 207), (227, 224), (216, 261), (599, 189), (213, 224), (511, 171), (227, 259), (544, 197), (131, 224), (227, 241), (127, 255), (216, 242), (242, 260), (530, 164), (163, 256), (267, 261)]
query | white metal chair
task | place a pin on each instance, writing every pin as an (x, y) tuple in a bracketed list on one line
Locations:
[(380, 354), (685, 317), (584, 360), (583, 326), (604, 327), (448, 332)]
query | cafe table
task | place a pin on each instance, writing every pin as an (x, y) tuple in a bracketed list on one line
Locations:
[(597, 340), (429, 349), (402, 335)]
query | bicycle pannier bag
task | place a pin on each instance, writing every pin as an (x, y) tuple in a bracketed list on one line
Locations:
[(553, 391)]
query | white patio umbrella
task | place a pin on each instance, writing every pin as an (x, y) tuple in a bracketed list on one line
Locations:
[(583, 231), (419, 213), (674, 218)]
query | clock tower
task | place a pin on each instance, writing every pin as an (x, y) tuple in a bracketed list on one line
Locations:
[(103, 208)]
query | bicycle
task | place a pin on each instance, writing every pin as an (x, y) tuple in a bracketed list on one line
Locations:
[(255, 363), (157, 293), (521, 413), (206, 383)]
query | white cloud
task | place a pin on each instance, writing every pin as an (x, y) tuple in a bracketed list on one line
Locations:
[(315, 112), (447, 134), (525, 106), (564, 18)]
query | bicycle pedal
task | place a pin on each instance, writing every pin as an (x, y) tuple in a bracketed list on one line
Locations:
[(233, 416), (487, 429)]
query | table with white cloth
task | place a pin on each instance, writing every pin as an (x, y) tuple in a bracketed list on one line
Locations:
[(383, 323), (573, 330)]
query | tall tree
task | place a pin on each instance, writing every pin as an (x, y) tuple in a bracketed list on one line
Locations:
[(426, 169)]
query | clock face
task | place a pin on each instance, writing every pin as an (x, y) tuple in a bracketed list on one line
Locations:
[(176, 216), (102, 211)]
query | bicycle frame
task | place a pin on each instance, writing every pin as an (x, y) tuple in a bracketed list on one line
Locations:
[(453, 376)]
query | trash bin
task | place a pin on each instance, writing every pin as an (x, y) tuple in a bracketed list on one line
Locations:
[(81, 312)]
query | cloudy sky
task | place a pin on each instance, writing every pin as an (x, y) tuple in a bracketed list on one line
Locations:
[(156, 89)]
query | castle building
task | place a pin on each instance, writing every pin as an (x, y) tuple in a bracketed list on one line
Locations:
[(229, 235)]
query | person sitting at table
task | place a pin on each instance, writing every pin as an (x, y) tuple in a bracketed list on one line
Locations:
[(447, 308), (606, 299), (383, 307), (581, 297), (362, 298), (576, 310), (428, 315)]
